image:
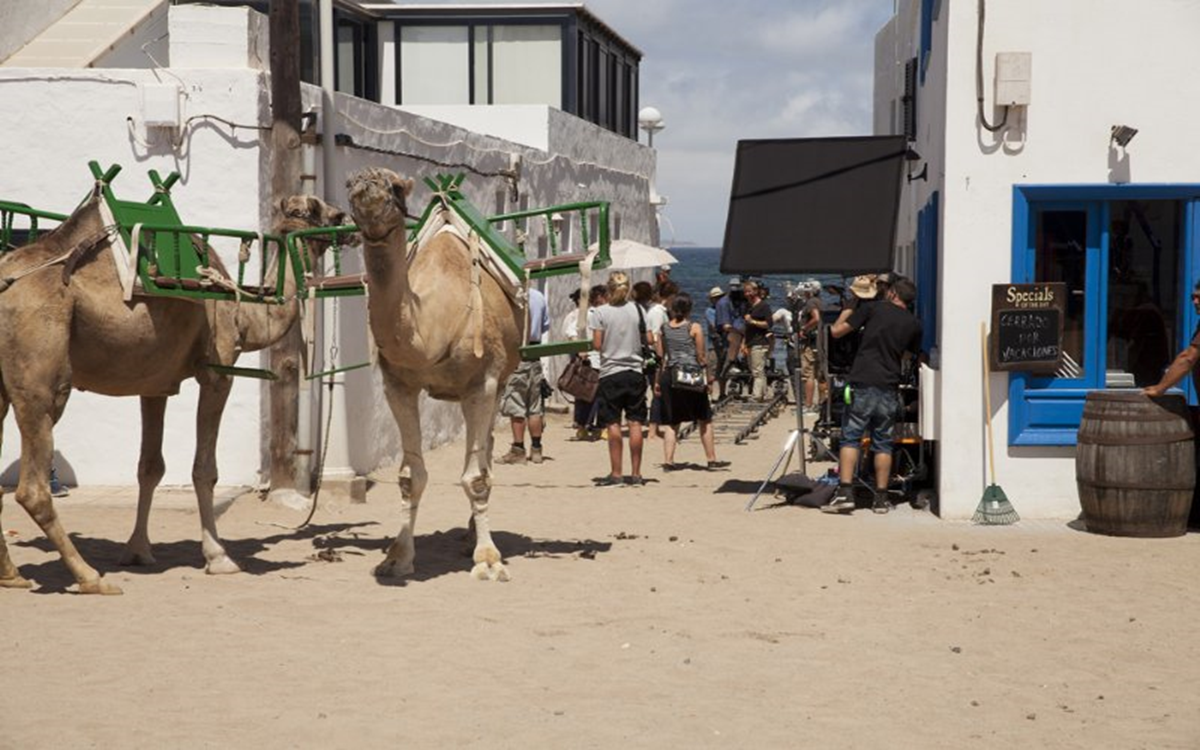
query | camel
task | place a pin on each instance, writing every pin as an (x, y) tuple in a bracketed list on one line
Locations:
[(65, 324), (437, 331)]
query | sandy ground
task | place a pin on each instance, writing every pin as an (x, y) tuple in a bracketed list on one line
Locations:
[(662, 616)]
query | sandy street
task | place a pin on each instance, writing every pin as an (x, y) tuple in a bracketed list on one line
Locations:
[(661, 616)]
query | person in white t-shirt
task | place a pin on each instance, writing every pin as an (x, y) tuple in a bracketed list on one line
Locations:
[(622, 390)]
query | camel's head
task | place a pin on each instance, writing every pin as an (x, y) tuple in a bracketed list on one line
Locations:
[(299, 212), (379, 202)]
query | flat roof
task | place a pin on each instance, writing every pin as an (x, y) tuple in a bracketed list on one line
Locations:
[(392, 9)]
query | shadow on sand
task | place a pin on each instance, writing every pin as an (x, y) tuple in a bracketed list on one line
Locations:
[(449, 552), (438, 553), (103, 554)]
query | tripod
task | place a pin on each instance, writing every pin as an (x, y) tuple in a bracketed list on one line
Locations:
[(795, 440)]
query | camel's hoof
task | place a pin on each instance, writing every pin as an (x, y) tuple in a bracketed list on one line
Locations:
[(16, 582), (394, 569), (221, 566), (137, 554), (289, 498), (490, 572), (99, 586)]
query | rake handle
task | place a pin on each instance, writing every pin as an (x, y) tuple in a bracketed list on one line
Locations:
[(987, 401)]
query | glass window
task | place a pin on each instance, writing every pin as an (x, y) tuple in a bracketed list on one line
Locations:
[(434, 65), (348, 42), (527, 65), (1144, 247), (1061, 255), (480, 93)]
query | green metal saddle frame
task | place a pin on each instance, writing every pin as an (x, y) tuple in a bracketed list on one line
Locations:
[(177, 260)]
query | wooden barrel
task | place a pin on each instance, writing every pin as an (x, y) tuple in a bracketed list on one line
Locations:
[(1135, 464)]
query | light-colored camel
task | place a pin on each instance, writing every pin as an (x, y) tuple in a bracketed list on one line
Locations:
[(436, 332), (58, 332)]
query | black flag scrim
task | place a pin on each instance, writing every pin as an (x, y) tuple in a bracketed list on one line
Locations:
[(814, 205)]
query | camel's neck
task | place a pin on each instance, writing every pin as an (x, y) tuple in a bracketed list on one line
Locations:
[(391, 299)]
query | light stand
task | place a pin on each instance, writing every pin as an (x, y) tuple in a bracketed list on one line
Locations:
[(795, 437)]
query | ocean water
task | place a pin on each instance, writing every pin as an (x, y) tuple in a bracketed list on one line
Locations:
[(699, 270)]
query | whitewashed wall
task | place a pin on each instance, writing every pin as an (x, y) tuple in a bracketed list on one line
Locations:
[(70, 116), (1096, 63)]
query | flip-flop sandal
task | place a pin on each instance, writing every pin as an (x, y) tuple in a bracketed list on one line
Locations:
[(610, 481)]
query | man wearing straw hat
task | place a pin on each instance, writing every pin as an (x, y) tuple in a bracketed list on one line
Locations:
[(889, 331)]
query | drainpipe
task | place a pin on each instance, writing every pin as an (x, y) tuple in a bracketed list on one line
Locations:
[(336, 467)]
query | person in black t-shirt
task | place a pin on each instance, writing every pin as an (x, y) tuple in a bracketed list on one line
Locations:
[(889, 331), (758, 338)]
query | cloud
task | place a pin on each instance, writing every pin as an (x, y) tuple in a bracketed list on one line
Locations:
[(737, 69)]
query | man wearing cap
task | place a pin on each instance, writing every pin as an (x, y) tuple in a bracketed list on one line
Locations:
[(716, 339), (523, 401), (758, 337), (732, 327), (889, 331)]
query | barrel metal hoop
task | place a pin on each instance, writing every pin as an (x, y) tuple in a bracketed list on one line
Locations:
[(1141, 487), (1109, 417), (1179, 437)]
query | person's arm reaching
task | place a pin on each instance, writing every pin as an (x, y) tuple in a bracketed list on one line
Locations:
[(1178, 370)]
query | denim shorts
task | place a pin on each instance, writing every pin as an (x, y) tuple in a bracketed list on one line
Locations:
[(872, 413)]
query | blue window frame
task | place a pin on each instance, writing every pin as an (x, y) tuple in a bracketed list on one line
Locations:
[(928, 12), (1071, 225), (927, 271)]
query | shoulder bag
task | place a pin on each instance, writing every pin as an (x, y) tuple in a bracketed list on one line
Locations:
[(579, 379)]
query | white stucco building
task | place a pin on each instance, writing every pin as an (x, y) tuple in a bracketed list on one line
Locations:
[(1051, 195), (71, 102)]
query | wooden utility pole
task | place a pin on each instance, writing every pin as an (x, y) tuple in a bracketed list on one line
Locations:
[(285, 356)]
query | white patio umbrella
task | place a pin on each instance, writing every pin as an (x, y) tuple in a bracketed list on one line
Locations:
[(631, 254)]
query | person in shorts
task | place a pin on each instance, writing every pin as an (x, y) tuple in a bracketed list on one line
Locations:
[(890, 332), (617, 336), (523, 401)]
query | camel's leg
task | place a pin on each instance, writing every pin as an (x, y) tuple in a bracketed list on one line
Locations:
[(37, 409), (10, 577), (151, 468), (479, 411), (214, 392), (413, 478)]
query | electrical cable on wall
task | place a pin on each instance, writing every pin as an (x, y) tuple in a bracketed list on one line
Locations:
[(979, 77)]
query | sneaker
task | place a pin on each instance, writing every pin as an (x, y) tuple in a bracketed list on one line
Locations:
[(841, 503), (535, 455), (717, 465), (514, 456), (881, 505), (610, 481)]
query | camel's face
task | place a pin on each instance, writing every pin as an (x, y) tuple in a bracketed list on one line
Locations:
[(378, 201), (300, 212)]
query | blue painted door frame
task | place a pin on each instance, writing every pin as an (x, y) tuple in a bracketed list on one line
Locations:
[(1046, 411)]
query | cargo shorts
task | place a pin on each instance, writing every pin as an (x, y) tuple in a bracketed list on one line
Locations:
[(523, 392)]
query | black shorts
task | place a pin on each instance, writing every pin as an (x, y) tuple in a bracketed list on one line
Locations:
[(621, 392)]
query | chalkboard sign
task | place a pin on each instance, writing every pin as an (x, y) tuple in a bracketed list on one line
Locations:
[(1027, 327)]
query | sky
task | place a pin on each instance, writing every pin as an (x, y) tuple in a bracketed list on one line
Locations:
[(724, 70)]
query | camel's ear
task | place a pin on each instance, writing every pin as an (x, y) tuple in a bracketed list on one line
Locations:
[(402, 188), (315, 207), (283, 206)]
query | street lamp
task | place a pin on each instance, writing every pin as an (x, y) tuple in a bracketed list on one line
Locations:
[(650, 120)]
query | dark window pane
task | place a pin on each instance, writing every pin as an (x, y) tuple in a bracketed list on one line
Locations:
[(1144, 240), (1061, 255)]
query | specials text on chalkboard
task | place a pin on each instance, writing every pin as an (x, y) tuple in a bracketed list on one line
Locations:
[(1027, 327)]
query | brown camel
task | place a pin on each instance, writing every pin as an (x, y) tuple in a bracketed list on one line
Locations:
[(61, 331), (435, 331)]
